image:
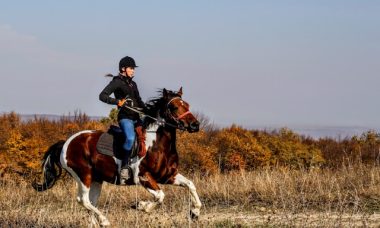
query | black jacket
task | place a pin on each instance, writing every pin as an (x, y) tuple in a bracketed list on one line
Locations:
[(123, 87)]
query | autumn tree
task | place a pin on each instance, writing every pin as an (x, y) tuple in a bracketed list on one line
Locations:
[(238, 149)]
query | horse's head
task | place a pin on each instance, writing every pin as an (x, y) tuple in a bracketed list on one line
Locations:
[(177, 111)]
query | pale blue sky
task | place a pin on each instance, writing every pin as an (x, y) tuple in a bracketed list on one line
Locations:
[(253, 63)]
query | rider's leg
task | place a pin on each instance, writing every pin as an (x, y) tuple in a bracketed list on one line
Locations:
[(128, 129)]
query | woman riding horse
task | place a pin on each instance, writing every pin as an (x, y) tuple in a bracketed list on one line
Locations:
[(125, 91), (79, 156)]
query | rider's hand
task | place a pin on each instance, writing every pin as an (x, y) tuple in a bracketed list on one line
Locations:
[(121, 102)]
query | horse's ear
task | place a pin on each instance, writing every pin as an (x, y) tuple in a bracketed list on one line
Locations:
[(180, 92), (165, 93)]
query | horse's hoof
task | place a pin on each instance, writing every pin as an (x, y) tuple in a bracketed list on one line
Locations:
[(146, 206), (104, 222), (194, 214), (141, 205)]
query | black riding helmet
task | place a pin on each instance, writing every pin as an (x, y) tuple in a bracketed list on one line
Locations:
[(126, 62)]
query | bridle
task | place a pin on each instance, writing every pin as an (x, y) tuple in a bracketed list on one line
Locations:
[(177, 118), (169, 114)]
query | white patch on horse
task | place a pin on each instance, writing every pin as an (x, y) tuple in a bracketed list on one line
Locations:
[(135, 164), (151, 136), (135, 161)]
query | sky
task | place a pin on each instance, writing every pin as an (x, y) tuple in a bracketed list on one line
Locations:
[(251, 63)]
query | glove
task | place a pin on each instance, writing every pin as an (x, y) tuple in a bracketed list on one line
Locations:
[(120, 103), (129, 102)]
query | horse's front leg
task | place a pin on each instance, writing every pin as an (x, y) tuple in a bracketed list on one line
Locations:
[(151, 185), (180, 180)]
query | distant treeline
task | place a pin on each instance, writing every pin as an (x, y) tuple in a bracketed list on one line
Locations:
[(22, 145)]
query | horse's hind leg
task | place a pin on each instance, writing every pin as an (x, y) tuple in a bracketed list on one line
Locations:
[(196, 202), (84, 198), (151, 185), (95, 190)]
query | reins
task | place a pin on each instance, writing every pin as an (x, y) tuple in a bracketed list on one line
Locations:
[(159, 121)]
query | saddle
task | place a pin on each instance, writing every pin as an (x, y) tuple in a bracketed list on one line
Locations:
[(111, 143)]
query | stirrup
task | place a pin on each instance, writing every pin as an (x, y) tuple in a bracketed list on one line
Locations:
[(125, 175)]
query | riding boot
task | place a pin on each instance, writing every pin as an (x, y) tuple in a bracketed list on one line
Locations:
[(125, 170)]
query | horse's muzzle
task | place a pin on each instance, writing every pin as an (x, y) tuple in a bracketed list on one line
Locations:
[(193, 127)]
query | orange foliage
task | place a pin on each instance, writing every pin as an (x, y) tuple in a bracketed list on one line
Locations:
[(195, 152), (237, 143), (22, 144)]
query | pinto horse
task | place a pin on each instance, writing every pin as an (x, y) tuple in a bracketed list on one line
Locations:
[(78, 155)]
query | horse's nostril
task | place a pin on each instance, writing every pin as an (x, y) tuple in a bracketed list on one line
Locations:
[(194, 125)]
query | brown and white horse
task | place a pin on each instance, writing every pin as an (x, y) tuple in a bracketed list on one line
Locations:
[(78, 156)]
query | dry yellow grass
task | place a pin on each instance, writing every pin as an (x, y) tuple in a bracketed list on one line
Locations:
[(349, 196)]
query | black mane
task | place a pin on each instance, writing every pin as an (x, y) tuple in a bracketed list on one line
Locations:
[(157, 105)]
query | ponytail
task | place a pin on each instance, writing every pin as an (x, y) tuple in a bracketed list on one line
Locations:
[(108, 75)]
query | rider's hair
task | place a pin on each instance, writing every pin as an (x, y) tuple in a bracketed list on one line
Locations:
[(108, 75)]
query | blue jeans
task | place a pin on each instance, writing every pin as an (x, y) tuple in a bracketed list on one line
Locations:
[(128, 128)]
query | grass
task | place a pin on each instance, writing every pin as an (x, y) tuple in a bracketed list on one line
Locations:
[(349, 196)]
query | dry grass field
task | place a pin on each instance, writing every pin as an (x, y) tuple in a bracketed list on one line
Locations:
[(345, 197)]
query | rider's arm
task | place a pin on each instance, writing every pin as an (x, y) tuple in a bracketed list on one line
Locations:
[(141, 104), (107, 91)]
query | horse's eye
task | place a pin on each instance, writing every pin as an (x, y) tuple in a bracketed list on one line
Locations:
[(173, 108)]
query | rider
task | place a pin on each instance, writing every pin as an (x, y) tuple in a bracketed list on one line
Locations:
[(126, 93)]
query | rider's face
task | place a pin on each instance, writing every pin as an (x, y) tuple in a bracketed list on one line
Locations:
[(130, 71)]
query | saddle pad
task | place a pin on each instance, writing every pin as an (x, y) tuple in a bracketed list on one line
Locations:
[(105, 144), (110, 143)]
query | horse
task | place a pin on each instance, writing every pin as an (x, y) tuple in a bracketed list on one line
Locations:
[(79, 156)]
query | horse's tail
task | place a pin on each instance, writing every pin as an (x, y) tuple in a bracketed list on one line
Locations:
[(51, 167)]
